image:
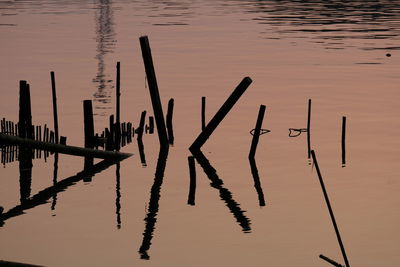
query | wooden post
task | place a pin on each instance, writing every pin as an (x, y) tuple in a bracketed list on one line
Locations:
[(192, 186), (112, 141), (257, 131), (203, 113), (88, 123), (220, 115), (309, 129), (141, 125), (170, 113), (343, 141), (22, 109), (153, 88), (118, 92), (328, 204), (55, 116), (151, 125)]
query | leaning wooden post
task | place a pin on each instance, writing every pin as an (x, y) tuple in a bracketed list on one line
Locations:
[(343, 141), (53, 90), (141, 125), (328, 204), (309, 129), (170, 113), (153, 88), (221, 113), (203, 113), (257, 131), (192, 185), (88, 123)]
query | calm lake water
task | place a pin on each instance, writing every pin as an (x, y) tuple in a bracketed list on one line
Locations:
[(344, 55)]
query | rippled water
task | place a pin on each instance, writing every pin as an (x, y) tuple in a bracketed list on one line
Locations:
[(344, 55)]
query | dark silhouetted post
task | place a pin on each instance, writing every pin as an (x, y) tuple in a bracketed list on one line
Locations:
[(88, 123), (334, 263), (343, 141), (153, 88), (309, 129), (257, 131), (328, 204), (53, 90), (151, 125), (170, 113), (221, 113), (117, 132), (141, 125), (203, 113), (25, 114), (192, 186)]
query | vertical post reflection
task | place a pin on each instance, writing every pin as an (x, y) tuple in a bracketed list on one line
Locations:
[(25, 172), (118, 199), (224, 193), (55, 174), (151, 217)]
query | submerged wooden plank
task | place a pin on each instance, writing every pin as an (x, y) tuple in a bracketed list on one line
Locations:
[(70, 150)]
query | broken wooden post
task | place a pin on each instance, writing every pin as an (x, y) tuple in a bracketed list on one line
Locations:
[(203, 113), (328, 204), (153, 88), (221, 113), (192, 185), (25, 114), (309, 129), (343, 141), (334, 263), (88, 123), (63, 140), (170, 130), (257, 131), (53, 90)]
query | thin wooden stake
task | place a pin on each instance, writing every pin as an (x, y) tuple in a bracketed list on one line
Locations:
[(53, 90), (203, 113), (343, 141), (170, 113), (257, 131), (192, 186), (309, 129)]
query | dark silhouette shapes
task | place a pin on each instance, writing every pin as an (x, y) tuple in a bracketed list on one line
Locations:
[(257, 183), (55, 174), (25, 172), (117, 115), (64, 149), (203, 113), (192, 185), (17, 264), (334, 263), (343, 141), (151, 217), (25, 113), (140, 130), (170, 129), (44, 195), (309, 129), (88, 123), (224, 193), (54, 95), (118, 195), (151, 124), (220, 115), (141, 152), (153, 88), (328, 204), (257, 132)]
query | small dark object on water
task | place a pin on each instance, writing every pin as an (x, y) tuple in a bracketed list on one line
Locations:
[(388, 55)]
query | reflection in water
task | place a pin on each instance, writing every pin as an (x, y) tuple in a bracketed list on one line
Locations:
[(118, 193), (43, 196), (151, 219), (55, 174), (224, 193), (329, 21), (25, 173), (105, 37), (257, 184)]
